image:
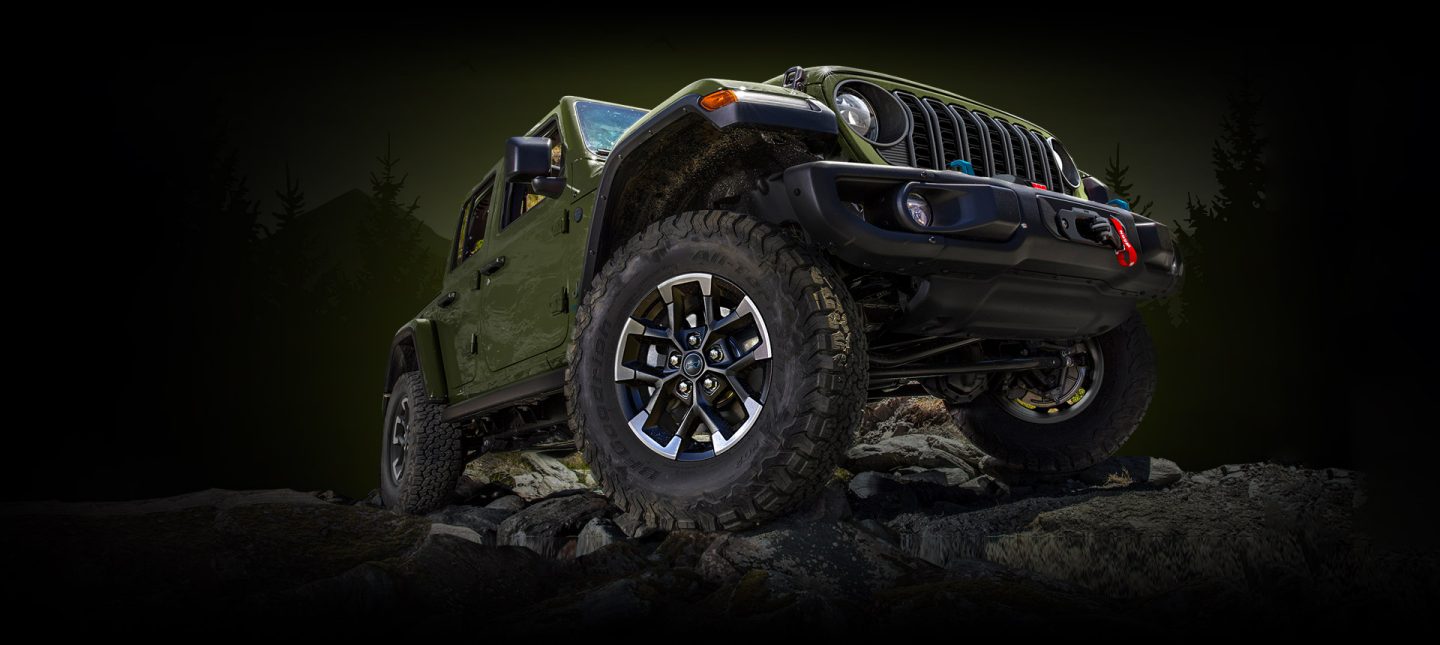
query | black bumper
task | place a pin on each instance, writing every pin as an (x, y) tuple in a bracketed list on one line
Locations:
[(1000, 260)]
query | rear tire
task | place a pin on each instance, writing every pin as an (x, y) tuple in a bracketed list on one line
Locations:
[(420, 455), (1080, 441), (810, 394)]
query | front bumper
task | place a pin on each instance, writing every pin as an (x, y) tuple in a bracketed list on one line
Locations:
[(1001, 262)]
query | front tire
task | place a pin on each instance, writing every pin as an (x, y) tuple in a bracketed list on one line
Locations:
[(420, 455), (717, 374), (1018, 436)]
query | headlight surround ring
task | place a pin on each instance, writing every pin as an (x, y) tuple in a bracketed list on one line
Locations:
[(890, 119)]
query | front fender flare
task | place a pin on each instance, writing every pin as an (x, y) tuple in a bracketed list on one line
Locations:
[(417, 347), (686, 104)]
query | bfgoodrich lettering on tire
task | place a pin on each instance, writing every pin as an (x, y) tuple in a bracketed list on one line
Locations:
[(717, 373)]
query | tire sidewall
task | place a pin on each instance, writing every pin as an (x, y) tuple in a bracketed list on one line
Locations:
[(391, 491)]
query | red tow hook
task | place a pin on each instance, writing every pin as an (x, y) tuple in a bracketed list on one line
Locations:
[(1126, 256)]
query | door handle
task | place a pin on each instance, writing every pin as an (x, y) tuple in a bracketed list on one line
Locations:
[(448, 299), (495, 265)]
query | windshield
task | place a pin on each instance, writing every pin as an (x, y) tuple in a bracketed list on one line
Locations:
[(602, 123)]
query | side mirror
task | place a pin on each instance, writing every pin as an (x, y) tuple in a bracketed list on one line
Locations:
[(548, 186), (526, 158)]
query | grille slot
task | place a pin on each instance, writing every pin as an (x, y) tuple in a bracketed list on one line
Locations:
[(1019, 151), (1040, 158), (1057, 173), (976, 142), (922, 140), (949, 134)]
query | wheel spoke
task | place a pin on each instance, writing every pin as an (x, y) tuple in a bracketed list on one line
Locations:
[(637, 327), (709, 317), (711, 418), (744, 362), (741, 392), (721, 443), (639, 372), (637, 425), (685, 429), (742, 312)]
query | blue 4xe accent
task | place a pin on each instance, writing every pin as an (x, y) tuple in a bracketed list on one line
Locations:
[(963, 166)]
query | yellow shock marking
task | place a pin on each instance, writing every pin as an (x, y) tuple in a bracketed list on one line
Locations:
[(1079, 394)]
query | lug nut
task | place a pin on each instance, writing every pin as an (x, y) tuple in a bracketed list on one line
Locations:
[(693, 339), (709, 383), (683, 387), (674, 360), (716, 354)]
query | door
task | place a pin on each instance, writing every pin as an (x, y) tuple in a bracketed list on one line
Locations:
[(524, 299), (459, 319)]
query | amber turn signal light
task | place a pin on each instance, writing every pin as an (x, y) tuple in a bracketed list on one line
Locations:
[(718, 99)]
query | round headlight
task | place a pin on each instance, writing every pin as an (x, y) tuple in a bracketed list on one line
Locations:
[(918, 209), (856, 112)]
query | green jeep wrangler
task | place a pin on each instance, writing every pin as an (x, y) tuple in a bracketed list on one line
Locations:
[(705, 294)]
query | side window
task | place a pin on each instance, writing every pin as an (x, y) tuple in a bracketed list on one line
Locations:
[(472, 224), (519, 198)]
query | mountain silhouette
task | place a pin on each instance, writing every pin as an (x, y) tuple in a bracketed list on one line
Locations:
[(328, 238)]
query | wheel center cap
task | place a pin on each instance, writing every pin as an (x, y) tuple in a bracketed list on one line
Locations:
[(692, 365)]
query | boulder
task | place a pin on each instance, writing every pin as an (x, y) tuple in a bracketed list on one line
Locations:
[(1258, 529), (485, 522), (464, 533), (831, 505), (922, 450), (882, 494), (547, 525), (1125, 471), (683, 548), (906, 415), (831, 559), (531, 474), (212, 498), (937, 476), (511, 503), (597, 533)]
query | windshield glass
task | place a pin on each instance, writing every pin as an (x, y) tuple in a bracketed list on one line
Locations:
[(602, 123)]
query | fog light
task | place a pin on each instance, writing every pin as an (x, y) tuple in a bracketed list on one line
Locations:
[(918, 209)]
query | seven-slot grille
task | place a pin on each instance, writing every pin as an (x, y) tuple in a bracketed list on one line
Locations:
[(943, 133)]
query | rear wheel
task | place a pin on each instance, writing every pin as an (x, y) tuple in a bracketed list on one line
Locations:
[(420, 455), (1067, 419), (718, 373)]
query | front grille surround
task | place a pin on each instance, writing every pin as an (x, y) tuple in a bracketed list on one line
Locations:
[(943, 132)]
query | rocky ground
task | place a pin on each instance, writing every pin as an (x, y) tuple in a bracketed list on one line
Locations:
[(913, 530)]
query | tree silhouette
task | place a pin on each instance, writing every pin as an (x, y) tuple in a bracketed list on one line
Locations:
[(1117, 181), (1227, 260), (292, 202), (223, 213), (397, 269), (386, 187), (1230, 391)]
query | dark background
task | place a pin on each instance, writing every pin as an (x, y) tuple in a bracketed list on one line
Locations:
[(175, 335)]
